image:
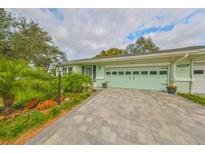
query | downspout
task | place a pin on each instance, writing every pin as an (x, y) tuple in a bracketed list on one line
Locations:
[(177, 61), (191, 76)]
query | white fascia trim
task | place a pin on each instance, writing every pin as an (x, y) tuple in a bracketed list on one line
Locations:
[(135, 65)]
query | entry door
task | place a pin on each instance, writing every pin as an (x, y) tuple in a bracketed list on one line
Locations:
[(199, 78), (89, 71)]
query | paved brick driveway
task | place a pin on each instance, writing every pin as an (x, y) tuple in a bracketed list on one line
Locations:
[(120, 116)]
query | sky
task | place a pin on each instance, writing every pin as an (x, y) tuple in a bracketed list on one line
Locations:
[(82, 33)]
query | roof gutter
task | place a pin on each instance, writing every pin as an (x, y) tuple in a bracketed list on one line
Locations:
[(114, 59)]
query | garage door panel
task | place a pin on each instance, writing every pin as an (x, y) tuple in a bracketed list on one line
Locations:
[(138, 80)]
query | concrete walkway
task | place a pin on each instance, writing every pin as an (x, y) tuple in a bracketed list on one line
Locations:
[(122, 116)]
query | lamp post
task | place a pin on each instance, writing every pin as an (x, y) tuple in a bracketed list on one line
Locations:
[(60, 69)]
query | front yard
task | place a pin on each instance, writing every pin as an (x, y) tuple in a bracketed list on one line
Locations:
[(28, 98), (16, 130)]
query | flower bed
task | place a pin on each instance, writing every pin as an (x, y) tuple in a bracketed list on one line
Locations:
[(12, 128), (32, 104), (46, 104)]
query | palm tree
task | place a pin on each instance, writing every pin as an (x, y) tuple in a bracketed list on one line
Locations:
[(9, 81), (15, 76)]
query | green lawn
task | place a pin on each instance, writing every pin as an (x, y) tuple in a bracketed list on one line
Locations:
[(193, 98)]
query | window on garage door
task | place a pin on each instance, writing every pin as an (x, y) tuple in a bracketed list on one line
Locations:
[(162, 72), (114, 73), (128, 73), (136, 73), (153, 72), (144, 72), (108, 73), (121, 73)]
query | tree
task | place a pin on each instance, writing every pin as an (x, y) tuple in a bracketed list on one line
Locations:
[(7, 24), (111, 52), (142, 45), (16, 76), (26, 40)]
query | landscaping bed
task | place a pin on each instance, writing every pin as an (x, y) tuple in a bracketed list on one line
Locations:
[(194, 98), (31, 120)]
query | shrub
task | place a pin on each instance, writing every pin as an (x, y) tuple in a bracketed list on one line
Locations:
[(65, 106), (76, 83), (3, 133), (16, 129), (55, 111), (24, 96), (13, 127), (35, 118)]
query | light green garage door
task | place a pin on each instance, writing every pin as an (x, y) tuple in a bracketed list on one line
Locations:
[(150, 78)]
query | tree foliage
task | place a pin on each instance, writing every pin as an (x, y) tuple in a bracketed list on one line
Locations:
[(142, 45), (23, 39), (111, 52), (17, 80)]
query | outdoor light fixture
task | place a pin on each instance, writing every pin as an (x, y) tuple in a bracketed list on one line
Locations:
[(60, 70)]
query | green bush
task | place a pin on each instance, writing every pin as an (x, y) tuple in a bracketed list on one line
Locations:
[(55, 111), (76, 83), (23, 97), (16, 129), (66, 105), (13, 127), (35, 118), (40, 89)]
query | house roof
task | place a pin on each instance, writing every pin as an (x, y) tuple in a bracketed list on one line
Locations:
[(168, 52)]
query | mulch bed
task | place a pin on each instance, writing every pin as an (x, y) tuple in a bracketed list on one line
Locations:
[(33, 104)]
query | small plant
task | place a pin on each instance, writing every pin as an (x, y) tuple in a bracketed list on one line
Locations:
[(104, 84), (172, 88), (55, 111)]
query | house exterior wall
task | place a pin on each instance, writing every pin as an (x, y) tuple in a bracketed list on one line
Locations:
[(179, 73), (77, 69), (183, 76), (100, 75)]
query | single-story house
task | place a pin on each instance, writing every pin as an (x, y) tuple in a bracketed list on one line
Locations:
[(151, 71)]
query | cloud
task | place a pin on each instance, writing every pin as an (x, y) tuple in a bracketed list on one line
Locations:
[(83, 33)]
